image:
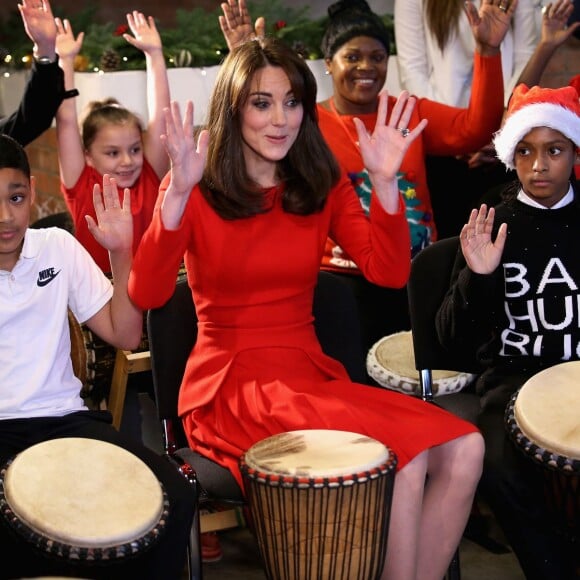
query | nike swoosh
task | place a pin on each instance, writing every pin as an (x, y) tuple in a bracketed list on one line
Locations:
[(44, 282)]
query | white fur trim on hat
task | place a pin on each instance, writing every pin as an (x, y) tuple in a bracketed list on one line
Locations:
[(522, 121)]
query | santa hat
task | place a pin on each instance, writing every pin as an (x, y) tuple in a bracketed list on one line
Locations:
[(557, 109), (575, 82)]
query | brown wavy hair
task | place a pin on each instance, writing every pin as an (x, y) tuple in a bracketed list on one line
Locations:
[(442, 18), (308, 171)]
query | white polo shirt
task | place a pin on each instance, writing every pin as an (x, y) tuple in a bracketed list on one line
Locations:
[(54, 272)]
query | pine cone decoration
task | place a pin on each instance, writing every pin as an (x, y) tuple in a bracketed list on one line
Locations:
[(110, 60), (300, 48)]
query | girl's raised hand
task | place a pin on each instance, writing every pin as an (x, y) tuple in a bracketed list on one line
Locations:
[(67, 46), (481, 253), (145, 35)]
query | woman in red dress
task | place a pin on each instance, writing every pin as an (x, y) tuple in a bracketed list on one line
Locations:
[(261, 175)]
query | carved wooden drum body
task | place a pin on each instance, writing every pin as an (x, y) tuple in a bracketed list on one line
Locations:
[(543, 420), (320, 502)]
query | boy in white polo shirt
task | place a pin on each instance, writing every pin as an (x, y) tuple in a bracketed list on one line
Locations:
[(43, 273)]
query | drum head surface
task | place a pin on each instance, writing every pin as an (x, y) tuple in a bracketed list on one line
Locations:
[(316, 453), (547, 409), (83, 492), (391, 362)]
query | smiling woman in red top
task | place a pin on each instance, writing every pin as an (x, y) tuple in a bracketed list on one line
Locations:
[(356, 48)]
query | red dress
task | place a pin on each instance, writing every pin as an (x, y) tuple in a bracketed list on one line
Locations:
[(257, 368)]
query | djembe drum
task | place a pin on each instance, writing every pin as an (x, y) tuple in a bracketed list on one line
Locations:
[(83, 500), (320, 502), (391, 363), (543, 421)]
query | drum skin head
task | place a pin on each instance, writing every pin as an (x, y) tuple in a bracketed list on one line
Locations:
[(316, 453), (546, 409), (83, 492)]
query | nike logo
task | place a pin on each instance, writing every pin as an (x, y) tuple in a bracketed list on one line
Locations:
[(46, 276)]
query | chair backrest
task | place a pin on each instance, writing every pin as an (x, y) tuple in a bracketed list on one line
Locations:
[(172, 333), (430, 278), (337, 324)]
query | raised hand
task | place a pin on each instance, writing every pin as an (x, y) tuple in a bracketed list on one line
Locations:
[(145, 35), (236, 23), (113, 228), (555, 16), (67, 45), (481, 253), (491, 22), (383, 149), (39, 26), (187, 161)]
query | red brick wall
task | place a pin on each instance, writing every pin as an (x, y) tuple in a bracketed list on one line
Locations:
[(115, 10), (44, 165)]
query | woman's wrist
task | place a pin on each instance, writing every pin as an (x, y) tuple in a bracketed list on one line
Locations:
[(487, 50)]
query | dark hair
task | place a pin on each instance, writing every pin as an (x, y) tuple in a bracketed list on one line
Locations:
[(13, 155), (107, 112), (308, 171), (349, 19)]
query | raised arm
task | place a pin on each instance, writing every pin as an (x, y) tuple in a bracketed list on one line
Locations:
[(71, 155), (119, 322), (146, 38), (45, 89), (236, 23), (465, 318), (384, 149), (162, 246), (554, 33)]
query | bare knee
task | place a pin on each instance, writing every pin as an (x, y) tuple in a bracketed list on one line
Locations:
[(459, 459)]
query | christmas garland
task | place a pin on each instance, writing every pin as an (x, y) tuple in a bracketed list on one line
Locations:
[(195, 41)]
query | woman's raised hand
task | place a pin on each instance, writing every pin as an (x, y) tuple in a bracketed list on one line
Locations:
[(490, 23), (383, 150), (187, 161)]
